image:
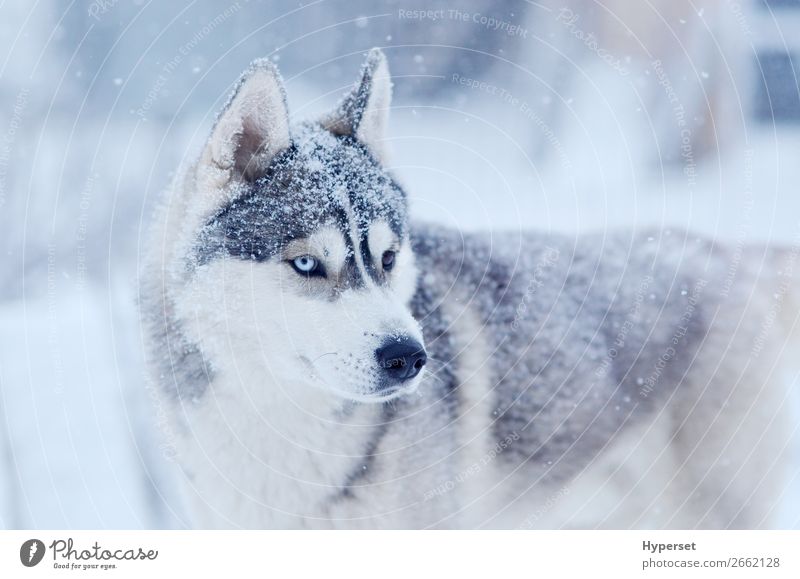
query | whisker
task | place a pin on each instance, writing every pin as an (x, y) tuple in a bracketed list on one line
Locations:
[(323, 355), (435, 377), (440, 364)]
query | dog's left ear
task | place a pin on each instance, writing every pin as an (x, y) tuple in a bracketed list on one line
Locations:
[(364, 112), (251, 130)]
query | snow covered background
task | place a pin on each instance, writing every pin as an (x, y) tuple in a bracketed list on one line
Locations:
[(572, 115)]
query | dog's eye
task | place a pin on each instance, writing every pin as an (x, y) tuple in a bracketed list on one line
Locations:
[(307, 265), (387, 260)]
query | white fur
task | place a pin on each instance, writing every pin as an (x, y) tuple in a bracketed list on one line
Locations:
[(292, 366), (473, 425), (380, 238)]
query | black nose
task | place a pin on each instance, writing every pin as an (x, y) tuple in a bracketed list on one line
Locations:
[(401, 358)]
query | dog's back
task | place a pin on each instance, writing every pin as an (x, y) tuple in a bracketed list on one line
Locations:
[(624, 379)]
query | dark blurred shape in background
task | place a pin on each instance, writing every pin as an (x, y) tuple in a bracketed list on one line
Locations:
[(778, 45)]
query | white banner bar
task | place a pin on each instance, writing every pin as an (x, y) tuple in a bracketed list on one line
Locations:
[(401, 554)]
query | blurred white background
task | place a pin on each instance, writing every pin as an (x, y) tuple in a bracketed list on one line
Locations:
[(571, 115)]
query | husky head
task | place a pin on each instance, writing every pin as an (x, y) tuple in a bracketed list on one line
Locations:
[(299, 258)]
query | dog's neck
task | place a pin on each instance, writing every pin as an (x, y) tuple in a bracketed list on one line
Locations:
[(310, 441)]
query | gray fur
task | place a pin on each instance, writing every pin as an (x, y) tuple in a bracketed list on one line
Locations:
[(305, 187), (551, 356)]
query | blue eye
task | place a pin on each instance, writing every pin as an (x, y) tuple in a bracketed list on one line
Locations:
[(307, 265)]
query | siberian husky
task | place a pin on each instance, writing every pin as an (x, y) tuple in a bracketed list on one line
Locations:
[(325, 363)]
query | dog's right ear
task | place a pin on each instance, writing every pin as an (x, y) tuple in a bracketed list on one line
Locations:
[(252, 128)]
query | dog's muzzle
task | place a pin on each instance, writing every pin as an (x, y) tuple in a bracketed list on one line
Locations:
[(400, 360)]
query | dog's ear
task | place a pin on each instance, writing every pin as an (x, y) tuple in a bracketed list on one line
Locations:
[(364, 112), (253, 127)]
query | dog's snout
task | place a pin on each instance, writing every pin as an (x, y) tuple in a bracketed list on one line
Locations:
[(401, 359)]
